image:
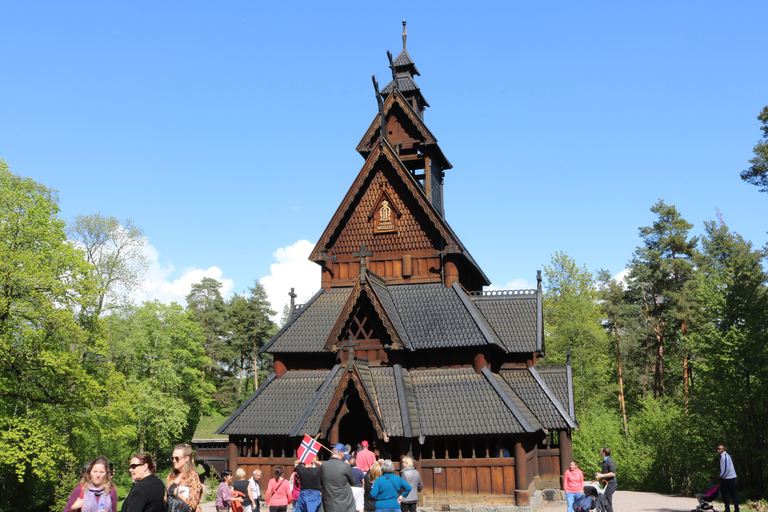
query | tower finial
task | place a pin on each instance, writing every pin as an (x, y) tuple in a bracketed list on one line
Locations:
[(404, 36)]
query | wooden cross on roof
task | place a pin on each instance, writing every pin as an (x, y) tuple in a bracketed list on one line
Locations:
[(293, 296), (362, 254), (350, 346)]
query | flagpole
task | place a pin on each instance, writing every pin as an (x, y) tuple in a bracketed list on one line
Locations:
[(318, 442)]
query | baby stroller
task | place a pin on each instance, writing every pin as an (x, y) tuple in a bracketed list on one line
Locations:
[(593, 498), (705, 500)]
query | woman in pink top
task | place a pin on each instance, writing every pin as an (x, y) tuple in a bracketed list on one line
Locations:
[(278, 492), (573, 481)]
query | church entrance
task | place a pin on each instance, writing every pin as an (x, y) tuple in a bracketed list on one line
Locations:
[(353, 424)]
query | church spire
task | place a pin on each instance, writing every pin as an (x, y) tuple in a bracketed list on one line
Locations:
[(403, 71)]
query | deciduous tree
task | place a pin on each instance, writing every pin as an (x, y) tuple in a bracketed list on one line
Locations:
[(572, 319), (115, 250)]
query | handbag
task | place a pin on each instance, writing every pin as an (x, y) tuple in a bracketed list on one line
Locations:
[(174, 503)]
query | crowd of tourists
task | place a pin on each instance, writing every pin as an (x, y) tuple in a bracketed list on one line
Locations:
[(350, 481)]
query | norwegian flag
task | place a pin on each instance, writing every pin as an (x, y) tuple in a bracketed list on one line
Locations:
[(308, 450)]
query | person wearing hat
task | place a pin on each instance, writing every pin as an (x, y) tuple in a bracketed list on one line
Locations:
[(336, 478), (365, 457)]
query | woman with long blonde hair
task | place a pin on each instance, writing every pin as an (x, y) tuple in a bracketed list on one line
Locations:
[(369, 502), (183, 480)]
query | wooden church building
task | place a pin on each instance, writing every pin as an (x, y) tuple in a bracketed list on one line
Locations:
[(402, 347)]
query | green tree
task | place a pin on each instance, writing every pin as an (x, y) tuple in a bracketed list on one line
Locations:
[(210, 312), (52, 375), (159, 348), (115, 250), (731, 397), (249, 327), (619, 319), (572, 320), (659, 272), (757, 174)]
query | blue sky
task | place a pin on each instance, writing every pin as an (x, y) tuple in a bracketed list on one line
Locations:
[(227, 129)]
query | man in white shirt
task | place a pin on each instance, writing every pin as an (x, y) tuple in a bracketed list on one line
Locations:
[(727, 480), (254, 483)]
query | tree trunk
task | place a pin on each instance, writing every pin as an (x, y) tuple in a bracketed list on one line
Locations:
[(621, 378)]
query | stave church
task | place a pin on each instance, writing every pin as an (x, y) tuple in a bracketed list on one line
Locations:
[(402, 347)]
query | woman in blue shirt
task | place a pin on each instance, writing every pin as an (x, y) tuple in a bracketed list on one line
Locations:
[(389, 488)]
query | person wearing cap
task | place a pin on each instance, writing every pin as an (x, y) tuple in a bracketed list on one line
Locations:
[(336, 478), (365, 457)]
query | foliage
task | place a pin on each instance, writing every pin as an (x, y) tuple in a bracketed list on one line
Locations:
[(757, 174), (48, 380), (659, 272), (115, 251), (208, 309), (732, 344), (572, 321), (159, 349), (234, 332)]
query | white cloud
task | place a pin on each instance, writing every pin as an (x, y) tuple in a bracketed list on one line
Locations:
[(292, 270), (159, 285), (517, 284), (622, 277)]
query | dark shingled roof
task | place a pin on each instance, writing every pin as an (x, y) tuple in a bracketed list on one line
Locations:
[(526, 387), (308, 329), (513, 318), (435, 317), (404, 60), (279, 406), (521, 405), (556, 377), (404, 84), (385, 299), (460, 402), (315, 419), (386, 394)]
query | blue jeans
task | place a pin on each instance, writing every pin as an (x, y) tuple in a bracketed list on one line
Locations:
[(569, 497)]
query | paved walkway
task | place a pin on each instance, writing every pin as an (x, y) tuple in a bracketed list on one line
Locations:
[(623, 501), (630, 501)]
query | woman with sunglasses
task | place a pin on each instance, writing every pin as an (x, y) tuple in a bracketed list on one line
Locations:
[(95, 491), (183, 481), (148, 491)]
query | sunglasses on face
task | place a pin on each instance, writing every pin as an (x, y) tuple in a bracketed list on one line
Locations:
[(176, 459), (134, 466)]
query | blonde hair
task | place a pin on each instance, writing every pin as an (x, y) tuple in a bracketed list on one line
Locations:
[(85, 476), (374, 472), (190, 464), (407, 461), (240, 474)]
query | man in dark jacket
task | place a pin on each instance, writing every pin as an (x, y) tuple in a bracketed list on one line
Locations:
[(337, 479), (608, 473)]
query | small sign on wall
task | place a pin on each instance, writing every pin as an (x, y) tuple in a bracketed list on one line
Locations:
[(438, 470)]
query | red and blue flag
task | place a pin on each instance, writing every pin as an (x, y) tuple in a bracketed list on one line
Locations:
[(308, 450)]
